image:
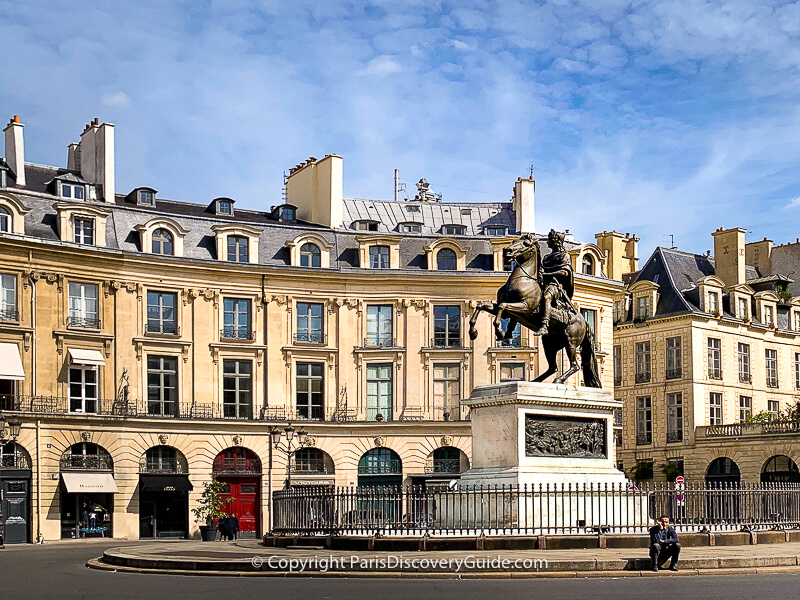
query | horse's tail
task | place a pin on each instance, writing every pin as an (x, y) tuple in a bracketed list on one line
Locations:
[(589, 361)]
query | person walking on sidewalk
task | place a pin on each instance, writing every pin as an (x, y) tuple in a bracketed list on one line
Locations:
[(664, 544)]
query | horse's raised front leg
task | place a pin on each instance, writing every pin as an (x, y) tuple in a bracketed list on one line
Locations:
[(489, 307)]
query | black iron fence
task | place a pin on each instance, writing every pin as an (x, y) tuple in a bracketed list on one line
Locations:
[(533, 510)]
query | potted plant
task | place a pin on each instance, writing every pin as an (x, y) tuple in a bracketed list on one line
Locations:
[(210, 506)]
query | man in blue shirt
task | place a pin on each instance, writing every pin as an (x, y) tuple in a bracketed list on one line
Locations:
[(664, 544)]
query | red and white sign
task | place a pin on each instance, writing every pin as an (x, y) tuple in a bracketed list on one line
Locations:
[(679, 480)]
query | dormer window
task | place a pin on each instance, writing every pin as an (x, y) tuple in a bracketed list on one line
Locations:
[(147, 198), (366, 225), (310, 255), (69, 190), (495, 230), (287, 213), (410, 227), (162, 242), (224, 207), (454, 229), (587, 265), (713, 303), (84, 231)]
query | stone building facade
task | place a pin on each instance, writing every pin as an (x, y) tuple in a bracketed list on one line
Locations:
[(148, 343), (702, 344)]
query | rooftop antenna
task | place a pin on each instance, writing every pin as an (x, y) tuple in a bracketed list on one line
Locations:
[(533, 168), (671, 240), (396, 185), (284, 193)]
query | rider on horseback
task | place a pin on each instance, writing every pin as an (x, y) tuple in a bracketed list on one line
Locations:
[(558, 278)]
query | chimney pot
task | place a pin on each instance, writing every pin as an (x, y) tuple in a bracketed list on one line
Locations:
[(16, 119)]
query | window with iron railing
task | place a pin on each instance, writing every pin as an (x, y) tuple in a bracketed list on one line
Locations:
[(774, 408), (715, 408), (310, 387), (310, 323), (745, 408), (236, 319), (674, 358), (446, 327), (447, 387), (309, 460), (83, 389), (797, 370), (642, 362), (237, 389), (644, 420), (617, 365), (83, 305), (161, 459), (8, 298), (162, 385), (743, 358), (674, 417), (380, 396), (162, 313), (86, 456), (771, 357), (380, 326)]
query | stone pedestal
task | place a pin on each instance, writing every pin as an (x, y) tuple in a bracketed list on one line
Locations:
[(542, 433)]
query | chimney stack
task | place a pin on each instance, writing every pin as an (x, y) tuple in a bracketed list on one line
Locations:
[(523, 205), (729, 255), (94, 157), (15, 149), (622, 253), (315, 188)]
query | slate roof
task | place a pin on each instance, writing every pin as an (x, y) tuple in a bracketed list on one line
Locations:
[(200, 241)]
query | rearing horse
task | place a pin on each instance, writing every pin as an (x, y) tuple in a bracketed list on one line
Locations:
[(519, 300)]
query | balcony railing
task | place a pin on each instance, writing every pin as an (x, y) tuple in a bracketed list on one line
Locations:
[(83, 322), (715, 373), (675, 436), (14, 461), (237, 333), (450, 466), (310, 337), (443, 342), (379, 341), (9, 314), (772, 382), (86, 462), (674, 373), (237, 466), (617, 380), (384, 467), (164, 328), (514, 342), (306, 467), (643, 377), (168, 466), (644, 439), (724, 430), (745, 378)]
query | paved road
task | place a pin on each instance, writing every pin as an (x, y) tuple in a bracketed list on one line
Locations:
[(57, 571)]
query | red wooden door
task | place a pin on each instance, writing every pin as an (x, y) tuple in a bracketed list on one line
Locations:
[(246, 506)]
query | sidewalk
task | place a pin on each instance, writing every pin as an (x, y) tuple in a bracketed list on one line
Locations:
[(237, 558)]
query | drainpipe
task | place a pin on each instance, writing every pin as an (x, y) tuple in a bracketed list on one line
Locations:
[(39, 536)]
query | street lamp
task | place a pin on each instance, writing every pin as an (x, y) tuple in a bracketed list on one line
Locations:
[(276, 435), (10, 429)]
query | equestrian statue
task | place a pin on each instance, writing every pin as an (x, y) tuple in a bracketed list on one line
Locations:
[(538, 295)]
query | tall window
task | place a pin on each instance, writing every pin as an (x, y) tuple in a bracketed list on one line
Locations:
[(512, 372), (83, 389), (745, 408), (743, 354), (238, 250), (617, 312), (447, 388), (309, 322), (83, 305), (674, 417), (162, 386), (5, 220), (797, 370), (713, 302), (644, 420), (771, 356), (310, 255), (743, 312), (8, 298), (163, 242), (617, 365), (643, 307), (714, 358), (768, 315), (84, 231), (590, 316), (446, 260), (236, 319), (587, 265), (309, 391), (796, 322), (674, 359), (715, 408), (237, 389), (446, 326), (379, 325), (379, 257), (380, 399), (642, 362), (161, 314)]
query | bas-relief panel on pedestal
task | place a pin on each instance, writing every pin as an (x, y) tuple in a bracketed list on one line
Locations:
[(565, 437)]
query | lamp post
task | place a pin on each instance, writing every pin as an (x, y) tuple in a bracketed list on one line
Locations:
[(276, 437)]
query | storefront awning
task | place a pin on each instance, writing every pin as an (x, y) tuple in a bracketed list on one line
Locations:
[(82, 483), (10, 362), (79, 356), (166, 483)]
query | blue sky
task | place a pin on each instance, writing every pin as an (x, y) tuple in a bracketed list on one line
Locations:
[(673, 117)]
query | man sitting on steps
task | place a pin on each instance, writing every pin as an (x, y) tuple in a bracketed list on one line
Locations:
[(664, 544)]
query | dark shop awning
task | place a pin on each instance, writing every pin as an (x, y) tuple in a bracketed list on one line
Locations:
[(166, 483)]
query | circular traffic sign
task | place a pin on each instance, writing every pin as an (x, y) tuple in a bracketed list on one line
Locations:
[(680, 480)]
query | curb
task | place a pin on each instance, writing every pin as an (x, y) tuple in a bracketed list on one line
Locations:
[(98, 564)]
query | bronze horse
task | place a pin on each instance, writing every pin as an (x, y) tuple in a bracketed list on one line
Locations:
[(519, 300)]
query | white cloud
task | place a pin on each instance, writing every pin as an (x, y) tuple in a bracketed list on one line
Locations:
[(794, 203), (119, 99), (381, 66)]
